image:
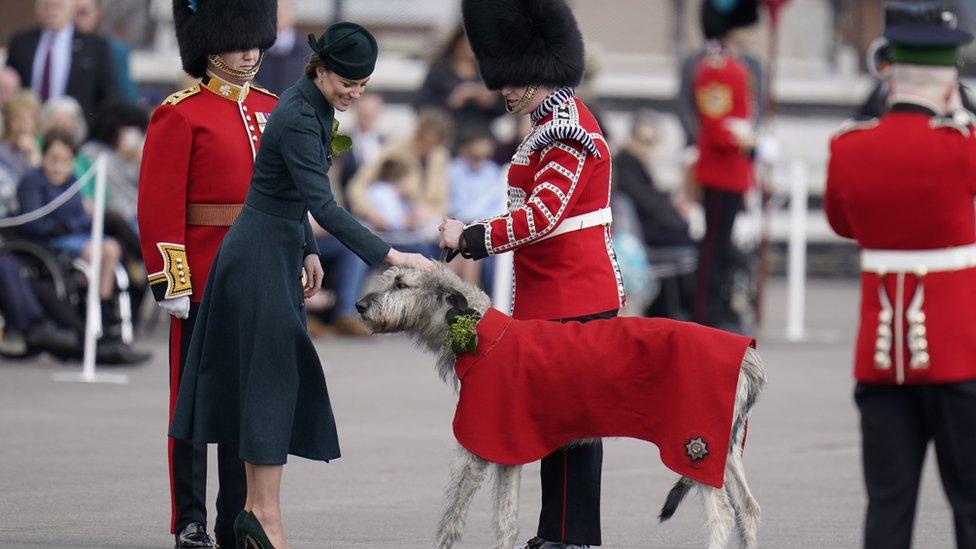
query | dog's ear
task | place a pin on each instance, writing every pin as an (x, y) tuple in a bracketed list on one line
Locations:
[(457, 300)]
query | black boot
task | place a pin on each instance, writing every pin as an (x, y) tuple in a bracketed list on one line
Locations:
[(47, 336), (192, 536)]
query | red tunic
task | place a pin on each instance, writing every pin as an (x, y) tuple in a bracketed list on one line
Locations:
[(200, 148), (561, 170), (907, 182), (722, 97), (534, 386)]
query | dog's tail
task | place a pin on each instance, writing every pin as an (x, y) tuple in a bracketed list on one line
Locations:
[(675, 496)]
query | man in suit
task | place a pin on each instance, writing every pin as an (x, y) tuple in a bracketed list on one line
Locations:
[(54, 59)]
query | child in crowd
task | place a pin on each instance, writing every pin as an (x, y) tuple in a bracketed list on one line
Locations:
[(66, 229), (400, 215), (477, 191)]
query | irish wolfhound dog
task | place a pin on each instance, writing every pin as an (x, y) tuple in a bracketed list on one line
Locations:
[(416, 302)]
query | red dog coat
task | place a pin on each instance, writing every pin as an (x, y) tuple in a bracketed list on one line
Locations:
[(533, 386)]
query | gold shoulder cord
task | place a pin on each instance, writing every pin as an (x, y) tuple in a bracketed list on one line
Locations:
[(525, 100)]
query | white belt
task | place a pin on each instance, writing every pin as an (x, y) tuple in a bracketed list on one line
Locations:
[(919, 261), (580, 222)]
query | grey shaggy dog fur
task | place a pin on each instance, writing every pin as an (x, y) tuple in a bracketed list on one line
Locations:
[(416, 302)]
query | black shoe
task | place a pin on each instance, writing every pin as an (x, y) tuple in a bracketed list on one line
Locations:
[(193, 535), (117, 353), (539, 543), (47, 336)]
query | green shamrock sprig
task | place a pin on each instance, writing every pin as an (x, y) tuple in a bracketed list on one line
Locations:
[(340, 142), (462, 333)]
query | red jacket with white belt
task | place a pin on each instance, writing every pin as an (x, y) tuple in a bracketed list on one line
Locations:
[(906, 183), (561, 170)]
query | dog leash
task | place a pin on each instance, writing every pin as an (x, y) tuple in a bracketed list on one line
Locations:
[(449, 254)]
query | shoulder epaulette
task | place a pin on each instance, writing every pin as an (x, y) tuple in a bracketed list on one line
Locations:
[(565, 125), (961, 124), (175, 98), (264, 91), (853, 125)]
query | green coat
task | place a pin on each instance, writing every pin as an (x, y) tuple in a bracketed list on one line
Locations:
[(252, 375)]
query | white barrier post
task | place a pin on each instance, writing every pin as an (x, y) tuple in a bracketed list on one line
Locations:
[(93, 318), (797, 253), (501, 292)]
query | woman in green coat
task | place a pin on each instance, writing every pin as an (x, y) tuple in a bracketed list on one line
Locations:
[(252, 375)]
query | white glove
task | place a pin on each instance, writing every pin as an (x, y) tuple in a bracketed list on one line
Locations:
[(177, 306)]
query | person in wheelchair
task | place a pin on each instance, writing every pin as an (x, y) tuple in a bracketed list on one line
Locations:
[(22, 313), (67, 229)]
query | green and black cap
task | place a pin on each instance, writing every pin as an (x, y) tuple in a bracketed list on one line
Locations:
[(348, 49), (922, 33)]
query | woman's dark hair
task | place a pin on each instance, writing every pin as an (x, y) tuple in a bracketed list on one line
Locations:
[(59, 135), (111, 117), (392, 170), (314, 62), (449, 45)]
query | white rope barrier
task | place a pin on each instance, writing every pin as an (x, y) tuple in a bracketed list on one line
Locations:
[(46, 209)]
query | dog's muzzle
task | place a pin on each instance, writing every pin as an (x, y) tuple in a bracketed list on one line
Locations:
[(362, 305)]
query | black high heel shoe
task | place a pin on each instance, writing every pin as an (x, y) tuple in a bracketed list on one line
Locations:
[(249, 533)]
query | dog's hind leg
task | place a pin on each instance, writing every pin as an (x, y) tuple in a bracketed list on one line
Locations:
[(746, 507), (719, 516), (505, 501), (467, 473)]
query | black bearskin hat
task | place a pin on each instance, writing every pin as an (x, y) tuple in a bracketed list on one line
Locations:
[(719, 17), (524, 42), (216, 26)]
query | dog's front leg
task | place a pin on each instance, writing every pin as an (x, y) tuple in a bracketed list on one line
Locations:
[(467, 472), (505, 501)]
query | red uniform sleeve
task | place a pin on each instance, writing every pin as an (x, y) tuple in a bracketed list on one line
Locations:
[(555, 191), (833, 202), (162, 203)]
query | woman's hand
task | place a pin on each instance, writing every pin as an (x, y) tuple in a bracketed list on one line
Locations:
[(451, 230), (313, 275), (411, 261)]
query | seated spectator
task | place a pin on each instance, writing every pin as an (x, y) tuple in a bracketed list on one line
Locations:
[(19, 150), (67, 229), (118, 131), (64, 113), (400, 213), (9, 84), (88, 16), (23, 314), (663, 228), (453, 84), (425, 156), (477, 190), (367, 142)]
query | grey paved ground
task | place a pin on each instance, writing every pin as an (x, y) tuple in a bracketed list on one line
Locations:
[(84, 466)]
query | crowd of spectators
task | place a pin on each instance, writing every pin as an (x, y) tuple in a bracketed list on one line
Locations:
[(66, 99)]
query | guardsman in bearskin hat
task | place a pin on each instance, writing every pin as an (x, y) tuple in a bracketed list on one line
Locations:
[(558, 222), (903, 186), (724, 96), (196, 169)]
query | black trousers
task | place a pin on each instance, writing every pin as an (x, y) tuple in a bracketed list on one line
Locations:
[(713, 296), (897, 423), (188, 461), (571, 487)]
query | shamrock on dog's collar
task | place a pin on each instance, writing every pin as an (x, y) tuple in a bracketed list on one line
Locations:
[(462, 334), (340, 142)]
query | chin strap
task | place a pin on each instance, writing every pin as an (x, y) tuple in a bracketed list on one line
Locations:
[(218, 62), (527, 98)]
